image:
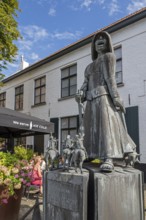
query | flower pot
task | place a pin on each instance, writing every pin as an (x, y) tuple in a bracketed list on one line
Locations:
[(10, 211)]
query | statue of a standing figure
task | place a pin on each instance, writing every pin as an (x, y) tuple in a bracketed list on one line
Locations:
[(106, 136)]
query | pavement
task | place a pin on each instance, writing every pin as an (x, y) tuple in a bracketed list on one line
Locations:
[(27, 204)]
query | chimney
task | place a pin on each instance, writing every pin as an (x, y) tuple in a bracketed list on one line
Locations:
[(23, 63)]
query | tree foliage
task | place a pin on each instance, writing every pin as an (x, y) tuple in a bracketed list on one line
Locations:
[(8, 31)]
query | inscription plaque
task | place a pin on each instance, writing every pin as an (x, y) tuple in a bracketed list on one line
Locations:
[(65, 195)]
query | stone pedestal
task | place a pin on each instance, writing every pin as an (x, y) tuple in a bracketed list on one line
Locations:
[(65, 195), (117, 195), (94, 195)]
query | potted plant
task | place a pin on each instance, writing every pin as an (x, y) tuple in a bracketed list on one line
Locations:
[(15, 172)]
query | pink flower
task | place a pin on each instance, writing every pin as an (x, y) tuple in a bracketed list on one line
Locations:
[(24, 181), (28, 184), (16, 176), (5, 201)]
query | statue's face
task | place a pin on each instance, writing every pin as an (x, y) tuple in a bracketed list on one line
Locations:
[(100, 44)]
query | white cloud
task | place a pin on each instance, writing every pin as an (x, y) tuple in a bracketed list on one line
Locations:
[(34, 32), (136, 5), (113, 7), (52, 12), (13, 65), (34, 56), (25, 44), (40, 2), (66, 35), (80, 4), (101, 2), (87, 4)]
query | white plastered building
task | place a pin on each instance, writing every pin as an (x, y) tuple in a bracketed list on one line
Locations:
[(46, 89)]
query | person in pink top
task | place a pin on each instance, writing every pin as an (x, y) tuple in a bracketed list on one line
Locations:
[(36, 173)]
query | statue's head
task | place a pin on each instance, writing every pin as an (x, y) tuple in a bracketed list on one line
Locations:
[(68, 136), (101, 40)]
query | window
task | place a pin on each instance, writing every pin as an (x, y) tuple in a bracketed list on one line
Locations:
[(20, 141), (40, 90), (69, 81), (19, 98), (3, 99), (68, 126), (118, 53)]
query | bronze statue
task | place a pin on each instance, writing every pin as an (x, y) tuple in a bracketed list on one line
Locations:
[(106, 136), (68, 151), (79, 153), (51, 153)]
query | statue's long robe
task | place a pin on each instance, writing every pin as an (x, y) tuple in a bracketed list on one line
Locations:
[(105, 131)]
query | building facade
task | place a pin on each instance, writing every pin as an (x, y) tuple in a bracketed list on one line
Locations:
[(47, 88)]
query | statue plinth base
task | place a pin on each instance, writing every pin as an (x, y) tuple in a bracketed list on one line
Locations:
[(117, 195), (65, 195), (94, 195)]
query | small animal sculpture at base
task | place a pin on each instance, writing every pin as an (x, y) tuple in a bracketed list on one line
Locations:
[(131, 159)]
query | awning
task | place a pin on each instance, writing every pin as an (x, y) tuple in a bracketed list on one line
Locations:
[(18, 124)]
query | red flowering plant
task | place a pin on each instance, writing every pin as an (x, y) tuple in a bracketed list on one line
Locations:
[(15, 171)]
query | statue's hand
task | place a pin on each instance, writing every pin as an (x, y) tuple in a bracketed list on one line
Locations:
[(119, 104), (79, 96)]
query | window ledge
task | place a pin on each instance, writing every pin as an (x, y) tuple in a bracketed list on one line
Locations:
[(19, 110), (39, 104), (67, 97), (120, 84)]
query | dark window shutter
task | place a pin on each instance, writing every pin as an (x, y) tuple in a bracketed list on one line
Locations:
[(132, 122), (56, 122)]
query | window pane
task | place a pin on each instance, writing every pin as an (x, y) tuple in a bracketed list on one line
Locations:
[(43, 90), (73, 122), (65, 83), (17, 105), (2, 96), (64, 123), (17, 98), (2, 103), (21, 89), (21, 105), (118, 53), (119, 65), (73, 70), (21, 97), (73, 90), (119, 77), (37, 92), (73, 80), (17, 91), (64, 72), (37, 83), (43, 81), (64, 135), (73, 133), (43, 98), (37, 99), (65, 92)]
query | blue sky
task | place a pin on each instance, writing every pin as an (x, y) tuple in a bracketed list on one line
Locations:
[(49, 25)]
